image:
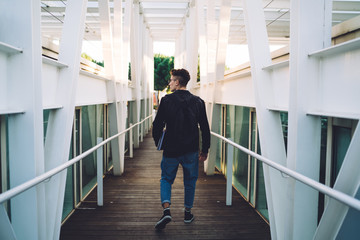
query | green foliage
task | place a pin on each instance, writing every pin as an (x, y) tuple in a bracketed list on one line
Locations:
[(162, 67), (87, 57), (98, 63), (129, 72), (84, 55)]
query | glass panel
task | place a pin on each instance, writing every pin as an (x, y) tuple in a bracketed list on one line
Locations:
[(100, 130), (284, 124), (127, 126), (241, 158), (324, 126), (229, 132), (46, 114), (2, 161), (91, 129), (341, 142), (76, 153), (142, 115), (69, 187), (261, 203), (218, 143), (2, 165), (252, 159)]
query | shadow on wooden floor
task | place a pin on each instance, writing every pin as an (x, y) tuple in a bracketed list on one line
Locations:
[(132, 207)]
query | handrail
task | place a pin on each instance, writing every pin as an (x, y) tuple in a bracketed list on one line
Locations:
[(35, 181), (340, 196)]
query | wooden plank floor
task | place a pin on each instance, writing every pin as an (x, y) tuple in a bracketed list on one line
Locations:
[(132, 207)]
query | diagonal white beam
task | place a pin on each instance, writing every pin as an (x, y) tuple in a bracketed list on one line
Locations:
[(269, 124), (304, 132), (108, 53), (60, 122)]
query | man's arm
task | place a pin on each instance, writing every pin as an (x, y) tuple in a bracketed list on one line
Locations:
[(159, 122), (205, 132)]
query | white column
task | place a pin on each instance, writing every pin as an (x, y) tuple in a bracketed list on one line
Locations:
[(202, 48), (20, 27), (136, 60), (307, 19), (108, 53), (58, 137), (121, 87), (223, 37), (126, 54), (217, 45), (192, 46), (269, 123)]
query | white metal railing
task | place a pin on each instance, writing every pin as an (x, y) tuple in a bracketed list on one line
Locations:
[(35, 181), (340, 196)]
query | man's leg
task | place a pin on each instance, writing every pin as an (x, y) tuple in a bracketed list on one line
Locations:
[(169, 167), (190, 164)]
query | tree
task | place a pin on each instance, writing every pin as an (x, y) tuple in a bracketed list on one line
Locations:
[(162, 66)]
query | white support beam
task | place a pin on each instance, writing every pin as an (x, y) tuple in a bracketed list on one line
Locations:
[(218, 35), (60, 122), (304, 131), (223, 36), (120, 83), (211, 39), (136, 63), (192, 46), (202, 44), (269, 124), (108, 53), (20, 36), (125, 54)]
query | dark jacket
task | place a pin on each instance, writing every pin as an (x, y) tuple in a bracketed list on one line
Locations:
[(182, 113)]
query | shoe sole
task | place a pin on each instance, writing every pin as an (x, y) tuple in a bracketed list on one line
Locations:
[(162, 223), (189, 221)]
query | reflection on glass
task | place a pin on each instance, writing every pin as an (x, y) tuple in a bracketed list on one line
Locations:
[(241, 137), (341, 142), (76, 153), (91, 129), (252, 159)]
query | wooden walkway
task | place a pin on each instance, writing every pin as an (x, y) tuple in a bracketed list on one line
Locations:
[(132, 207)]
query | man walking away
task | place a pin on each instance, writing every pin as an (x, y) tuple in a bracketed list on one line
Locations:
[(181, 113)]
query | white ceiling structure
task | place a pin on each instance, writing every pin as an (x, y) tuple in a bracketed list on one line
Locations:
[(165, 18)]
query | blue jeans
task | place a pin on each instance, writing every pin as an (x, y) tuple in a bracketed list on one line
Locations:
[(169, 167)]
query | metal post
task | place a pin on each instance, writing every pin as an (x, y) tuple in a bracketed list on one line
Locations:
[(229, 174), (131, 142), (100, 189)]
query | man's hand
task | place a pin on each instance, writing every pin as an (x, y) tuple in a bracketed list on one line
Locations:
[(202, 156)]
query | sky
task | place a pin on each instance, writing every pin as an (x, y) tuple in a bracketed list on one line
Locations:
[(235, 55)]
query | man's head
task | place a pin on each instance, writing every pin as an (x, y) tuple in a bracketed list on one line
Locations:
[(179, 79)]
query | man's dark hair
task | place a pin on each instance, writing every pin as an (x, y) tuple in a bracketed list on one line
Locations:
[(182, 75)]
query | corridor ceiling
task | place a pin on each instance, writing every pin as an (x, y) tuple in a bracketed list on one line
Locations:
[(165, 18)]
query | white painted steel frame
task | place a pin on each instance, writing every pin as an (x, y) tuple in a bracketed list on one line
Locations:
[(59, 131), (109, 63), (13, 192), (269, 123), (5, 225), (304, 132), (339, 196), (23, 90)]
